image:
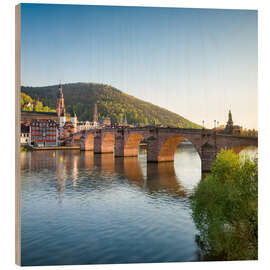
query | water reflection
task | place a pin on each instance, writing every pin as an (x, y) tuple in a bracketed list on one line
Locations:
[(96, 206), (133, 171), (38, 160), (160, 177), (81, 208), (174, 178), (104, 163)]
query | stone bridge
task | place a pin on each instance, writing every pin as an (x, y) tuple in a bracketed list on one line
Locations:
[(161, 142)]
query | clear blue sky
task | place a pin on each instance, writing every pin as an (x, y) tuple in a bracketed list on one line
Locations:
[(198, 63)]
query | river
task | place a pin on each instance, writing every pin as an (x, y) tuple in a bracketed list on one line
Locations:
[(81, 208)]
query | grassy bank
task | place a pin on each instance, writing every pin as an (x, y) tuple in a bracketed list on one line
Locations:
[(225, 209)]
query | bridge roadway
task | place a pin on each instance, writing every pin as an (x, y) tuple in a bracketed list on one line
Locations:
[(161, 142)]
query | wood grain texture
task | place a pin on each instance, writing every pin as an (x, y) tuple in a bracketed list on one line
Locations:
[(17, 134)]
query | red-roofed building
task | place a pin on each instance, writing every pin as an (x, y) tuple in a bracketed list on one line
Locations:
[(44, 132)]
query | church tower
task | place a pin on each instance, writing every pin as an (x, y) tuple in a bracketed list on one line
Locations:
[(60, 106), (229, 126), (95, 114), (62, 120), (74, 120), (230, 121)]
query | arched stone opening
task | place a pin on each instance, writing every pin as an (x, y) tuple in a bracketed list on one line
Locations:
[(246, 151), (167, 150), (131, 147), (108, 142), (181, 150), (87, 142), (163, 149), (240, 148)]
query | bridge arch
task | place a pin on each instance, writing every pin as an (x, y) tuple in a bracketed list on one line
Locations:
[(168, 146), (131, 146), (167, 150), (107, 143), (238, 149)]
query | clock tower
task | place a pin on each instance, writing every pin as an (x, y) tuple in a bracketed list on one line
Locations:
[(60, 105)]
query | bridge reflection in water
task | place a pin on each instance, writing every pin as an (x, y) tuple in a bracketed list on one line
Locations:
[(84, 208), (150, 177)]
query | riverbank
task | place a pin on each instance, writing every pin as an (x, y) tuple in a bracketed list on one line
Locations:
[(42, 148)]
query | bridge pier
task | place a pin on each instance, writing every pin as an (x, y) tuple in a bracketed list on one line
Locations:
[(97, 144), (208, 156), (153, 150), (104, 142), (87, 142), (119, 143), (82, 143)]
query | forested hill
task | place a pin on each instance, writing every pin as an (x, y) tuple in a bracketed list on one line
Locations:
[(29, 104), (112, 103)]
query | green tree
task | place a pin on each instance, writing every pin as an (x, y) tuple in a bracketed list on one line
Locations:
[(39, 106), (26, 102), (225, 209), (46, 109)]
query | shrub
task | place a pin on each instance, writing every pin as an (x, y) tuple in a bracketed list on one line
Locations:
[(225, 209)]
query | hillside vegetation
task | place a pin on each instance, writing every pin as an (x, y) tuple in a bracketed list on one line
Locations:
[(112, 103), (29, 104)]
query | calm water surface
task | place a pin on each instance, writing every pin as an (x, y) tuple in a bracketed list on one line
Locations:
[(80, 208)]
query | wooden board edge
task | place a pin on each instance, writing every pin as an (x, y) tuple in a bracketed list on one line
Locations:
[(17, 134)]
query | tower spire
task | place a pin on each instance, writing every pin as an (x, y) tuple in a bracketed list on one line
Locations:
[(60, 90), (95, 114), (230, 121), (229, 127), (60, 106)]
